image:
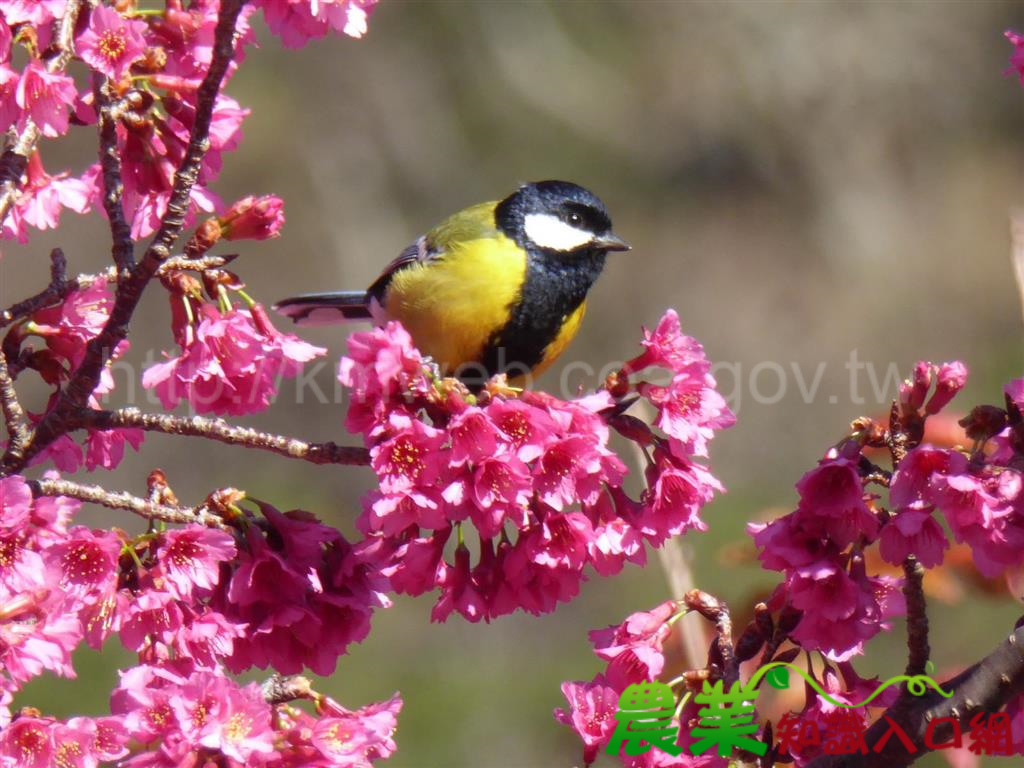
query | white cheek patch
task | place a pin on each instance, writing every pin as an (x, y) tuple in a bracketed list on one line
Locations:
[(551, 232)]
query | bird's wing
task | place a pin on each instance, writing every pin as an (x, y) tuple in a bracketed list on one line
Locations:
[(473, 223), (416, 253)]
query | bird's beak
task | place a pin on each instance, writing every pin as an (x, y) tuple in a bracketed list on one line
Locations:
[(611, 242)]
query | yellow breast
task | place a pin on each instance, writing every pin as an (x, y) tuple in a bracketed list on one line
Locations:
[(565, 335), (453, 305)]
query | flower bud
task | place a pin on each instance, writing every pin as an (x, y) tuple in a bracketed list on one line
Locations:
[(914, 390), (253, 218), (950, 380), (206, 236)]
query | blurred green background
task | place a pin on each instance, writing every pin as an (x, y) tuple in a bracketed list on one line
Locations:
[(801, 181)]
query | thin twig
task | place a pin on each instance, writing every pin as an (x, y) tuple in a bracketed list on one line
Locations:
[(55, 292), (196, 265), (222, 431), (60, 287), (715, 610), (85, 378), (94, 494), (278, 689), (918, 650), (122, 247), (13, 413), (15, 158)]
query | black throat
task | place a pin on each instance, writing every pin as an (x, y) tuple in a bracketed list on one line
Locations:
[(555, 286)]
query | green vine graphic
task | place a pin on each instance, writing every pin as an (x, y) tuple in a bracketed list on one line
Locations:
[(778, 677)]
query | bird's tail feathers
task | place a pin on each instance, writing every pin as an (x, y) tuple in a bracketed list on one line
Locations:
[(326, 308)]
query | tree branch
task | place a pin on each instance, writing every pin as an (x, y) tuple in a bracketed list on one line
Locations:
[(56, 291), (60, 287), (15, 158), (14, 415), (83, 382), (918, 650), (199, 141), (222, 431), (985, 687), (122, 247), (150, 510)]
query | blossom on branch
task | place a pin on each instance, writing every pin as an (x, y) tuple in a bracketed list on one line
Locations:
[(231, 364), (111, 43), (532, 475)]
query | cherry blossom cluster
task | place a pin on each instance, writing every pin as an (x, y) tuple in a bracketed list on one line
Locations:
[(279, 590), (66, 329), (152, 63), (820, 547), (231, 359), (531, 477), (978, 491), (830, 600), (193, 717), (634, 652)]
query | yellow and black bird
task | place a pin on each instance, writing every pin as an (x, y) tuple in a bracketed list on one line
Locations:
[(499, 287)]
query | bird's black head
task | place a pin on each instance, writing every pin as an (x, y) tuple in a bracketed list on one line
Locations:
[(558, 217)]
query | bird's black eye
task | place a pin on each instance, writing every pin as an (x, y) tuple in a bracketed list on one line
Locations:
[(574, 219)]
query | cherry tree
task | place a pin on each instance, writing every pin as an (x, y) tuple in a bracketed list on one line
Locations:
[(490, 501)]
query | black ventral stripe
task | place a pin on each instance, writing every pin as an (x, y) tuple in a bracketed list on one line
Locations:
[(555, 286)]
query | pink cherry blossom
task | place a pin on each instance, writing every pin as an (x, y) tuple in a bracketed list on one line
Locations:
[(9, 109), (591, 713), (29, 742), (914, 391), (916, 533), (298, 21), (305, 593), (15, 502), (1017, 57), (413, 567), (111, 43), (411, 459), (570, 468), (841, 610), (69, 326), (985, 509), (105, 448), (35, 12), (85, 563), (356, 737), (37, 634), (380, 366), (46, 97), (833, 494), (677, 489), (189, 559), (634, 647), (42, 198)]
